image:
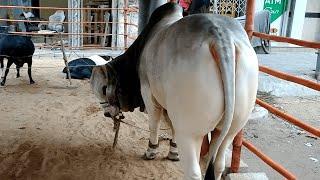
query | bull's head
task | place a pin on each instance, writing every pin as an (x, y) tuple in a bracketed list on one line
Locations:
[(104, 84)]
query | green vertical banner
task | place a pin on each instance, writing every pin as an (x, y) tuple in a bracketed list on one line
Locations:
[(276, 8)]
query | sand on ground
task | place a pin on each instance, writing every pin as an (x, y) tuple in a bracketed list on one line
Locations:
[(51, 130)]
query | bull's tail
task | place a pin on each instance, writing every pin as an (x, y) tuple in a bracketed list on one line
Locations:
[(222, 49)]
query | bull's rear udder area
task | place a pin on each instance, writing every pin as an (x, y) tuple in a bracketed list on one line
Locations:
[(194, 92)]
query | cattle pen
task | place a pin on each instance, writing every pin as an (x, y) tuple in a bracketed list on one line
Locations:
[(35, 159)]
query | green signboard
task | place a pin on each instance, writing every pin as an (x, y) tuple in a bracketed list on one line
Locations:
[(276, 8)]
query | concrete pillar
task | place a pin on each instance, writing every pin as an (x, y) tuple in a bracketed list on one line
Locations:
[(74, 16), (318, 66), (298, 18), (146, 7), (117, 28)]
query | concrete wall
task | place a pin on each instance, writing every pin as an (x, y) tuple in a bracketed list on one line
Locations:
[(311, 26), (15, 12), (259, 5), (45, 13), (298, 19)]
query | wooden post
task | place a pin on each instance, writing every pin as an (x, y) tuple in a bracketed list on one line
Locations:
[(65, 58), (106, 29), (95, 26)]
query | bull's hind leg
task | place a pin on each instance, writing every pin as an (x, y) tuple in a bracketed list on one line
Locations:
[(29, 69), (219, 164), (173, 154), (189, 149), (9, 63)]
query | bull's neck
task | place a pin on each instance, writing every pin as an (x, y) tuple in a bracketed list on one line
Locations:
[(168, 20)]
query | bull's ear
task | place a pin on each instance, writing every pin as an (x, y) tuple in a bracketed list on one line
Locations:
[(104, 89)]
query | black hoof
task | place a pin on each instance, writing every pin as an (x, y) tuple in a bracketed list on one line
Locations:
[(32, 82), (2, 84)]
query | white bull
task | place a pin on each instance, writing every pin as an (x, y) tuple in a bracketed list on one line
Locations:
[(201, 72)]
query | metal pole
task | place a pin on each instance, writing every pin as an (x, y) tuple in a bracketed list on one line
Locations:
[(250, 17), (237, 141), (236, 153), (288, 175)]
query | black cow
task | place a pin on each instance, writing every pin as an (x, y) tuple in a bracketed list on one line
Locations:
[(81, 68), (18, 50)]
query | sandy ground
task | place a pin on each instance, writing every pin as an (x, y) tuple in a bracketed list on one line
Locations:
[(51, 130)]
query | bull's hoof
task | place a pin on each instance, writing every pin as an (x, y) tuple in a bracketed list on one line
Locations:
[(32, 82), (18, 75), (173, 156), (2, 83), (149, 156)]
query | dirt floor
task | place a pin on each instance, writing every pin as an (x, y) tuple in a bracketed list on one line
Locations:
[(51, 130)]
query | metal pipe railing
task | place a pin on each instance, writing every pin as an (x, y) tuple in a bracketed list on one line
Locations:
[(291, 78), (298, 42), (65, 22), (268, 160), (63, 8), (236, 152), (249, 26), (48, 34), (289, 118)]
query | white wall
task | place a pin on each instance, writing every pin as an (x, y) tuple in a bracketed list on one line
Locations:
[(311, 26), (298, 18), (259, 5)]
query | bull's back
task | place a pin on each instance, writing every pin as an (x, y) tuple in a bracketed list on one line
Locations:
[(16, 46), (184, 77)]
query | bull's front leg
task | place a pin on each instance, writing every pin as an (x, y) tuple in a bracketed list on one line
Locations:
[(154, 113), (9, 63), (29, 70)]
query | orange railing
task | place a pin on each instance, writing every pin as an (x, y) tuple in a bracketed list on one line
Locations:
[(126, 10), (238, 141)]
